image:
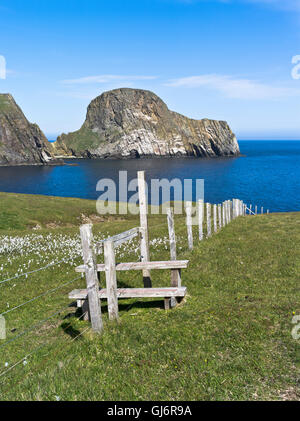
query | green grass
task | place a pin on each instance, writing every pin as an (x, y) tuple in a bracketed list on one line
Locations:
[(229, 340)]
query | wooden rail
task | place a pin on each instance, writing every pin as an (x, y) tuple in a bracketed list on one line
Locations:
[(81, 294), (169, 264)]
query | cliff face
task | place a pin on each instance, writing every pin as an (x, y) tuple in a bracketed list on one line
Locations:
[(135, 123), (21, 142)]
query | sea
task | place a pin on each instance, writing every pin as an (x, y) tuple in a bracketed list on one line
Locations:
[(266, 174)]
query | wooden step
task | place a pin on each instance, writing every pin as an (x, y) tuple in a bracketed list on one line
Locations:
[(81, 294), (169, 264)]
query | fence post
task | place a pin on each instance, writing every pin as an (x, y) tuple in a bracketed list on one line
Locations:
[(223, 214), (228, 211), (262, 210), (268, 211), (233, 208), (200, 215), (250, 213), (188, 209), (91, 275), (208, 219), (145, 255), (255, 209), (215, 218), (220, 215), (111, 280), (175, 274)]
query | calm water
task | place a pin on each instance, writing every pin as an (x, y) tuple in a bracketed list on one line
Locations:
[(268, 175)]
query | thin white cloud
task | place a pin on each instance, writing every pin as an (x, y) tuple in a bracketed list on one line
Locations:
[(105, 79), (236, 88)]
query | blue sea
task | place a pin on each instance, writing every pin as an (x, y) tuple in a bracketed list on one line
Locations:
[(267, 174)]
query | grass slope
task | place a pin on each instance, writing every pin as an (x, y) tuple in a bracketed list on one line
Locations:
[(230, 339)]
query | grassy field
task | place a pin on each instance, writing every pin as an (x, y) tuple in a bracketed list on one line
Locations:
[(230, 339)]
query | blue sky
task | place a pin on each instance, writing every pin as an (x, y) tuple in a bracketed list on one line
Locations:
[(221, 59)]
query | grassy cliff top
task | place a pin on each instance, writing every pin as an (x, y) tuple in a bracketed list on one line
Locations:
[(229, 340)]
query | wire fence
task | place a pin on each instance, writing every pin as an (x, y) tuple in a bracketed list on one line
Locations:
[(40, 323)]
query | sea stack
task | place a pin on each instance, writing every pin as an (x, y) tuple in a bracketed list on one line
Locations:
[(135, 123), (21, 142)]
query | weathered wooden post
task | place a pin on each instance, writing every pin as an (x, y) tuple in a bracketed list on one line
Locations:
[(250, 212), (234, 215), (200, 216), (268, 211), (262, 210), (92, 283), (220, 215), (188, 210), (175, 274), (215, 218), (111, 280), (223, 214), (208, 219), (229, 210), (256, 210), (145, 255)]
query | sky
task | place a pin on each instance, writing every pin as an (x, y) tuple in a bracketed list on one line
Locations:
[(233, 60)]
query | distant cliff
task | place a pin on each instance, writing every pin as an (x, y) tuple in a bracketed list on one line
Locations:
[(137, 123), (21, 142)]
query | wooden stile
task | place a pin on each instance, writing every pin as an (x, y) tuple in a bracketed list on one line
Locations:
[(91, 275)]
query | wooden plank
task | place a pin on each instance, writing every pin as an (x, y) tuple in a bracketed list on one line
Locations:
[(119, 239), (169, 264), (81, 294), (208, 219), (111, 280), (189, 226), (145, 254), (91, 275), (201, 217)]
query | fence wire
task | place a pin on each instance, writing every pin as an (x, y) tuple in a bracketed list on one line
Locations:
[(32, 271), (50, 291)]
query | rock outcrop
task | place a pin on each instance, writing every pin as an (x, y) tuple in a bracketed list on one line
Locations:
[(126, 123), (21, 143)]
